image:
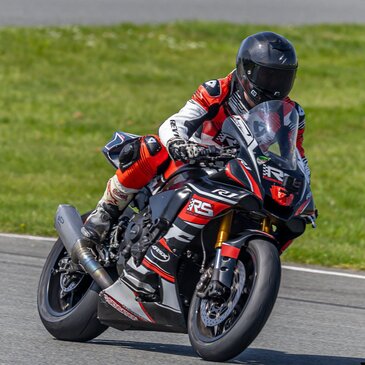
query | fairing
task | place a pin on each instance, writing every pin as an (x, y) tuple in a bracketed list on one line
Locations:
[(267, 164)]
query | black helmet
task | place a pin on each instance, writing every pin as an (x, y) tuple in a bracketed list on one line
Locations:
[(266, 65)]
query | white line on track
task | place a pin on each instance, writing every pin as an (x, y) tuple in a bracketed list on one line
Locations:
[(22, 236), (323, 272), (293, 268)]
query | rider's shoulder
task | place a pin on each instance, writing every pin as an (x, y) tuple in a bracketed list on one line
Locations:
[(217, 88), (297, 106)]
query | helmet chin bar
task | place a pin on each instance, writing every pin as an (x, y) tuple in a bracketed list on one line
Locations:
[(254, 94), (249, 91), (250, 94)]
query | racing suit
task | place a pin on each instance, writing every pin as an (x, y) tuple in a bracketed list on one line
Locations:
[(202, 117)]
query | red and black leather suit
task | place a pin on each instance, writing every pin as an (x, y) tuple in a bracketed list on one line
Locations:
[(200, 120)]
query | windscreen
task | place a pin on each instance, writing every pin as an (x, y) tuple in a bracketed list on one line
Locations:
[(274, 125)]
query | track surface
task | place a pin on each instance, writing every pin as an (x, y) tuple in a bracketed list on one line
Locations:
[(318, 319), (45, 12)]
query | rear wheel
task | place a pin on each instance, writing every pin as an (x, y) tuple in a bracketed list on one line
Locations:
[(221, 329), (67, 299)]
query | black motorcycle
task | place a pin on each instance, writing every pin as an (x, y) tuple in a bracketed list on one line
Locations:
[(233, 212)]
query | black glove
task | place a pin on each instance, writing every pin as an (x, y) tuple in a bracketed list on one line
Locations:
[(184, 151), (187, 151)]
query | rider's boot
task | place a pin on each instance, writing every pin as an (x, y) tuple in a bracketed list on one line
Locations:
[(115, 199)]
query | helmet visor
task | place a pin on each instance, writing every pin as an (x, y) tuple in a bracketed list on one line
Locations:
[(274, 82)]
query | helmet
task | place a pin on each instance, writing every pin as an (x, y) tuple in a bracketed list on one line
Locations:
[(266, 65)]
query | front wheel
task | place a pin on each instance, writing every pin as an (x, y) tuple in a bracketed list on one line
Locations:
[(221, 329), (67, 299)]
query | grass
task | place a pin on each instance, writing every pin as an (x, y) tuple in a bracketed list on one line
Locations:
[(64, 90)]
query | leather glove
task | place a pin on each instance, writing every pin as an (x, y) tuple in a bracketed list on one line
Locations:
[(185, 151)]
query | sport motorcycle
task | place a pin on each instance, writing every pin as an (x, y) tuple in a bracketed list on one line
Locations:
[(228, 215)]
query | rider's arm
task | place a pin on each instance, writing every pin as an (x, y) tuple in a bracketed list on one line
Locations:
[(184, 123), (300, 139), (203, 105)]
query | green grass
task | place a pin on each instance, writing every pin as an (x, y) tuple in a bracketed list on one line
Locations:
[(64, 90)]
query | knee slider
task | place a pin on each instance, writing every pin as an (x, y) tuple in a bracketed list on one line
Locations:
[(129, 154)]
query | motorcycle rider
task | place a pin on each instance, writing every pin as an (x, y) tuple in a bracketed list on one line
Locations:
[(266, 66)]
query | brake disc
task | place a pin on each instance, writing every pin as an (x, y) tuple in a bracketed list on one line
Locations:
[(214, 312), (68, 280)]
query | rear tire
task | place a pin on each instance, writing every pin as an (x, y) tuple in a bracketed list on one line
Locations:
[(70, 317), (259, 277)]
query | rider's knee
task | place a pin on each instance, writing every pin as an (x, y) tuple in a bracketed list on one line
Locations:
[(141, 159)]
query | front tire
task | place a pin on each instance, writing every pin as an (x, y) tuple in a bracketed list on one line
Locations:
[(216, 336), (67, 305)]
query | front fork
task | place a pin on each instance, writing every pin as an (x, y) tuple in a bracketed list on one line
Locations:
[(224, 265), (266, 225), (225, 261), (221, 277)]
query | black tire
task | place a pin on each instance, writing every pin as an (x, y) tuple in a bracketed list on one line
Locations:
[(78, 322), (263, 274)]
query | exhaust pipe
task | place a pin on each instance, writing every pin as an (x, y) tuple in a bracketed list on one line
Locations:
[(68, 224)]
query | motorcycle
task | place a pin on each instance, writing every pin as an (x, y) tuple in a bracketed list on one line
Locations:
[(230, 213)]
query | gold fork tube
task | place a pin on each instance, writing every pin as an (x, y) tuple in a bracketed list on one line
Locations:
[(224, 229), (265, 225)]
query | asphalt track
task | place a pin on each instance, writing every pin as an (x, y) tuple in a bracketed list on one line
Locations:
[(45, 12), (319, 318)]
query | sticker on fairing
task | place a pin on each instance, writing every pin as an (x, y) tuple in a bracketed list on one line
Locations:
[(273, 174)]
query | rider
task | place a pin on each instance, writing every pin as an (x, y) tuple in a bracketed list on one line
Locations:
[(266, 65)]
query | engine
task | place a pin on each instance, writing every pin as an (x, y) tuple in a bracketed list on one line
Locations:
[(139, 235)]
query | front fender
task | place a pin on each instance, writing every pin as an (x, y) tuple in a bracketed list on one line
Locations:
[(243, 239)]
